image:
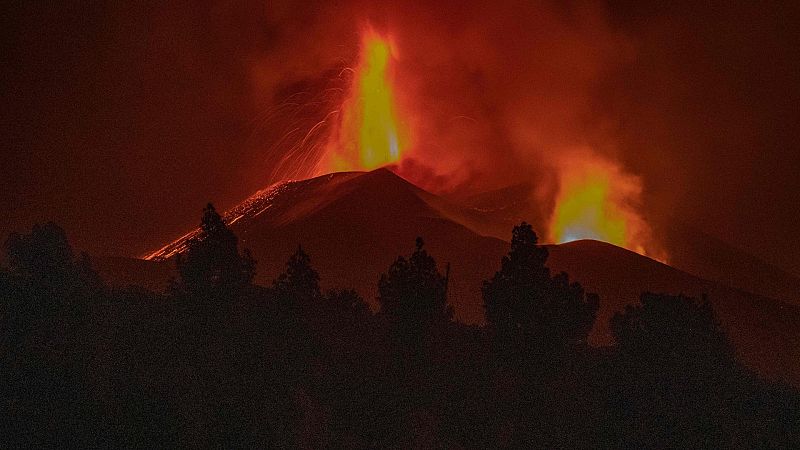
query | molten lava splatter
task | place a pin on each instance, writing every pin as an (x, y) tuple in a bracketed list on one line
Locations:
[(370, 134), (597, 200)]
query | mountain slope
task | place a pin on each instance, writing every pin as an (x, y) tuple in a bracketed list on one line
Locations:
[(764, 331), (689, 249), (699, 253), (356, 236), (353, 225)]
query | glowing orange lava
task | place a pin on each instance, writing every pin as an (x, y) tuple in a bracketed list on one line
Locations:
[(597, 200), (370, 134)]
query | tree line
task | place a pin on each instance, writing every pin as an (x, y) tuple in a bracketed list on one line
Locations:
[(219, 361)]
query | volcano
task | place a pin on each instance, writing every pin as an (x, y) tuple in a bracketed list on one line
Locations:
[(354, 224)]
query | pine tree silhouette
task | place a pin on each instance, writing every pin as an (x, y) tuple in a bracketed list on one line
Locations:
[(530, 312), (412, 296), (46, 301), (300, 282), (212, 264), (675, 330), (677, 373)]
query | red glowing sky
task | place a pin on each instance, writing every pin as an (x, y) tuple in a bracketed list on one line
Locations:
[(121, 121)]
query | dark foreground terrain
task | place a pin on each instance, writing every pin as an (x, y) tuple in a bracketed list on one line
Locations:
[(214, 359)]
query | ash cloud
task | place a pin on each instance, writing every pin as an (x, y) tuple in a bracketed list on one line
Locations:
[(694, 100), (493, 94), (120, 119)]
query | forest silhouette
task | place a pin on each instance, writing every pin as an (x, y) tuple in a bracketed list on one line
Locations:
[(217, 360)]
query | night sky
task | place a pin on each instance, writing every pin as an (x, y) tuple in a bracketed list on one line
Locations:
[(120, 122)]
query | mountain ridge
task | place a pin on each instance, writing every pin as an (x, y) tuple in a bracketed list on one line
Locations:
[(354, 224)]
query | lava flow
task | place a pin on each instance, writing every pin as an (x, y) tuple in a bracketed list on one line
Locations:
[(370, 134)]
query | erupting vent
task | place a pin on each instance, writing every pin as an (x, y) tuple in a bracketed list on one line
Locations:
[(370, 134)]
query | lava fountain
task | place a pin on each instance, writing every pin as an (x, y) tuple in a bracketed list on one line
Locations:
[(597, 200), (370, 134)]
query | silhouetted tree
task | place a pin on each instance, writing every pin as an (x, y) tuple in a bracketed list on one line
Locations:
[(43, 252), (212, 264), (46, 257), (47, 341), (412, 296), (348, 303), (415, 312), (300, 282), (539, 326), (671, 330), (530, 312), (679, 381), (214, 280), (296, 338), (49, 281)]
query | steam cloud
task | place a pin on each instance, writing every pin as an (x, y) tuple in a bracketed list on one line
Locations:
[(493, 94)]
